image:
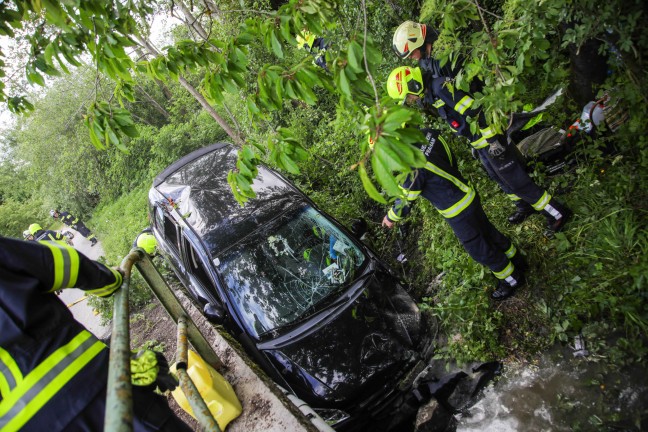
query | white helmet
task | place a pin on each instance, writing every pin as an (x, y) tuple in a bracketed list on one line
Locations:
[(408, 37), (26, 234)]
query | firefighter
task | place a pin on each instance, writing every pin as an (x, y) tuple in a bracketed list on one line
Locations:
[(53, 371), (75, 223), (317, 46), (441, 183), (410, 84), (37, 233)]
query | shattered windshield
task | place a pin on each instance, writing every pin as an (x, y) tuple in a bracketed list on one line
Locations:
[(284, 272)]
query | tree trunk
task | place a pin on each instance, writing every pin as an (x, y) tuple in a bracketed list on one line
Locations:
[(200, 98), (191, 21), (153, 102), (238, 140)]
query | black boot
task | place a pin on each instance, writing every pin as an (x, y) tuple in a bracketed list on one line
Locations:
[(522, 211), (557, 215), (506, 287)]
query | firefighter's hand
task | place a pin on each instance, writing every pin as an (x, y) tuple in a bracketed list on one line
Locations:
[(150, 368), (387, 223), (496, 149)]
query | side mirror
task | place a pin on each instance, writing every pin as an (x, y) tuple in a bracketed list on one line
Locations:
[(214, 313)]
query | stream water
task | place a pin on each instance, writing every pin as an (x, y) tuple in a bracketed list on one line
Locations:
[(562, 393)]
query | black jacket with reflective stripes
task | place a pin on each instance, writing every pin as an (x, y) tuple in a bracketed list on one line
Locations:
[(440, 182), (455, 107), (48, 235), (51, 367), (68, 219)]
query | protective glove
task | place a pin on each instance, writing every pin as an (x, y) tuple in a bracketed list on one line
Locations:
[(496, 149), (150, 368)]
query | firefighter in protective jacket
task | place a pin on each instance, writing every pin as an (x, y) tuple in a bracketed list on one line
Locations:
[(499, 159), (441, 183), (75, 223), (37, 233), (53, 371)]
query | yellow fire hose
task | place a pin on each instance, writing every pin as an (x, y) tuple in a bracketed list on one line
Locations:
[(77, 301)]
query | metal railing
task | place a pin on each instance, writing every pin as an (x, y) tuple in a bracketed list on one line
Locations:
[(119, 399)]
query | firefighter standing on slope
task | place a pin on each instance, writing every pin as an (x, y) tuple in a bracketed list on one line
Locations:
[(414, 40), (53, 371), (75, 223), (441, 183), (502, 164)]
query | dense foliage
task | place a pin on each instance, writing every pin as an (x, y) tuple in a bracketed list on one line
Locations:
[(255, 88)]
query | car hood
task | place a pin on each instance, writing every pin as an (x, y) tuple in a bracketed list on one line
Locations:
[(354, 349)]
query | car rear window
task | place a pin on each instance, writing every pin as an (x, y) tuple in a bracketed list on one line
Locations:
[(284, 272)]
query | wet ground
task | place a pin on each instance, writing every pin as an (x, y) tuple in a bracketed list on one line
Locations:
[(562, 393), (76, 299)]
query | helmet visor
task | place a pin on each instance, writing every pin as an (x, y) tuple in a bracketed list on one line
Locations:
[(401, 54)]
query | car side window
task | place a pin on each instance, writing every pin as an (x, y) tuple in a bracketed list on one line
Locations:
[(171, 232), (159, 218), (195, 265)]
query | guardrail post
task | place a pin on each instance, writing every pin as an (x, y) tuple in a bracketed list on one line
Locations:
[(198, 406), (119, 396)]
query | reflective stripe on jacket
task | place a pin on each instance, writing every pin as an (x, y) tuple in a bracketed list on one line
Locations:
[(68, 219), (439, 182), (50, 235), (45, 355), (455, 107)]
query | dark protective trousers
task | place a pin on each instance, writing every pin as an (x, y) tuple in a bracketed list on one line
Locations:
[(510, 174), (85, 232), (483, 242)]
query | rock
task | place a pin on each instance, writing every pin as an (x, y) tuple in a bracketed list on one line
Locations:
[(432, 417)]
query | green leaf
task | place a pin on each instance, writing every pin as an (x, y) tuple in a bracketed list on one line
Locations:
[(288, 164), (383, 150), (276, 45), (355, 56), (384, 174), (344, 84), (369, 186), (94, 139), (34, 77)]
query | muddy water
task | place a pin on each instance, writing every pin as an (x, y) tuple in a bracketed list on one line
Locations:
[(562, 393)]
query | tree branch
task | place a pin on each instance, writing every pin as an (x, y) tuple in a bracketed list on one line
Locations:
[(364, 52)]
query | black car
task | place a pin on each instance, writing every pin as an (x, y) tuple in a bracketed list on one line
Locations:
[(311, 304)]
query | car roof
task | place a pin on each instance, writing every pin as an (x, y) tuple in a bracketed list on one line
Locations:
[(197, 186)]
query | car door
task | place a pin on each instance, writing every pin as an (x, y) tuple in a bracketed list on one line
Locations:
[(200, 283)]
